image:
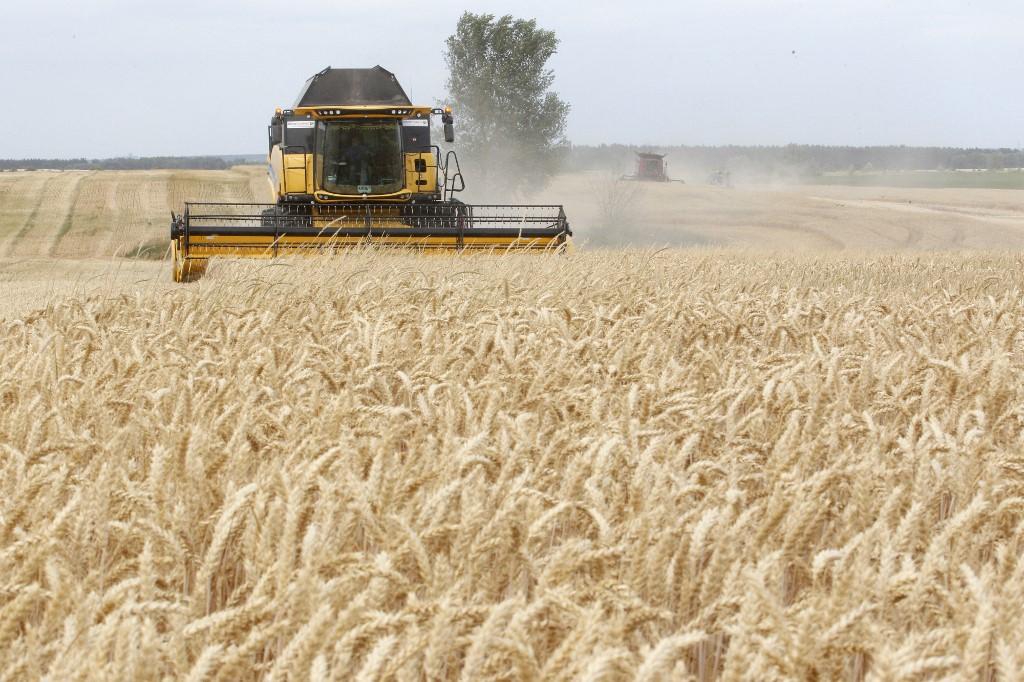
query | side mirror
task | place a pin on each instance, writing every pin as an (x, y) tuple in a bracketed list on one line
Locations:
[(449, 132), (274, 131)]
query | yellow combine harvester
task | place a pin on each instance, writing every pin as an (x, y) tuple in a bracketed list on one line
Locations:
[(352, 163)]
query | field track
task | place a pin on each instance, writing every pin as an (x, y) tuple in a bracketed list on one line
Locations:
[(612, 466), (89, 214)]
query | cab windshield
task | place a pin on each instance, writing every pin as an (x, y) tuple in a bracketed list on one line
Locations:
[(360, 158)]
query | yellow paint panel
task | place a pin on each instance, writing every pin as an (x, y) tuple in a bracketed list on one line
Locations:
[(266, 247), (298, 173), (428, 177)]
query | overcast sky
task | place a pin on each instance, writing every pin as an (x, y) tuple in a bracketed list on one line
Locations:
[(101, 78)]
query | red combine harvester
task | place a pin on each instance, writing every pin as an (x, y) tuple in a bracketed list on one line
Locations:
[(650, 167)]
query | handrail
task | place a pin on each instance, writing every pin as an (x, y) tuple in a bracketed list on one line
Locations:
[(449, 192), (447, 180), (442, 167)]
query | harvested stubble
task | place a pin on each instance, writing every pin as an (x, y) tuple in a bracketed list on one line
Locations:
[(601, 466)]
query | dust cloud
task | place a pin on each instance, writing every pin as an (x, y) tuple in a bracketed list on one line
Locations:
[(606, 211)]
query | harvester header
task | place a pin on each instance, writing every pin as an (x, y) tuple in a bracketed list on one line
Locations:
[(352, 162)]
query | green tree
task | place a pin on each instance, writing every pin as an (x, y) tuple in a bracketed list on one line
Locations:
[(511, 127)]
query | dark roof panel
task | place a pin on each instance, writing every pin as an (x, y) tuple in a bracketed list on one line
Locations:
[(339, 87), (650, 155)]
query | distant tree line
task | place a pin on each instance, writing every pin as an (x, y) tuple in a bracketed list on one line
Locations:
[(122, 163), (804, 160), (800, 160)]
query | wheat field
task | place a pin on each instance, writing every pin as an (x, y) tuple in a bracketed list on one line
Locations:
[(608, 465)]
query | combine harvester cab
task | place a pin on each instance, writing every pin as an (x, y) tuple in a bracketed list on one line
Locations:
[(352, 163)]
